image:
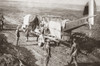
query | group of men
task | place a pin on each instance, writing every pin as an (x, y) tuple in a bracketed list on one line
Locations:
[(18, 34), (76, 40), (46, 44), (27, 26), (74, 50)]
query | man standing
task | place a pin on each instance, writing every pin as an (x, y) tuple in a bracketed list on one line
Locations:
[(1, 21), (47, 52), (74, 52), (17, 35), (27, 32), (77, 41)]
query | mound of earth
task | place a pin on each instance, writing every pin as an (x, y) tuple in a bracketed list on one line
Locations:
[(11, 55)]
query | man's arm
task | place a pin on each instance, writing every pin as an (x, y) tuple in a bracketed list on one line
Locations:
[(3, 17)]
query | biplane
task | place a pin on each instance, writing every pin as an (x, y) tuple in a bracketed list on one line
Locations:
[(57, 28), (56, 33)]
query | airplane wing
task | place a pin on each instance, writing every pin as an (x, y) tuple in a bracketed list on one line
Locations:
[(71, 25), (72, 28), (82, 18)]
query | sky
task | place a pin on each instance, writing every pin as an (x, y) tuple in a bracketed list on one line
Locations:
[(77, 2), (52, 3)]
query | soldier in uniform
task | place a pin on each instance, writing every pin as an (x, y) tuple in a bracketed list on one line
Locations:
[(17, 35), (77, 40), (47, 52), (74, 52), (1, 21), (27, 32)]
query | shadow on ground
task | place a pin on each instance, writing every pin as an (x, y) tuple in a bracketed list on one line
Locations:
[(86, 64)]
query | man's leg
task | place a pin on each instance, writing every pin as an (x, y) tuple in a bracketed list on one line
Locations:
[(47, 61), (37, 38), (27, 38), (2, 25), (17, 41), (75, 61), (49, 52), (71, 60)]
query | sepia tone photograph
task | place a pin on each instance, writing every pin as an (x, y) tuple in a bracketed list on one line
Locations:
[(49, 32)]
